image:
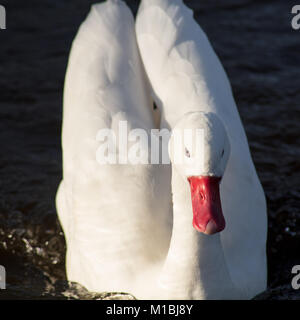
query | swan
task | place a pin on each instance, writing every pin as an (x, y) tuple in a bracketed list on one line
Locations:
[(124, 231), (115, 217), (218, 185)]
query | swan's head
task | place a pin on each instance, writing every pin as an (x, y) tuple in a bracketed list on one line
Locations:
[(199, 150)]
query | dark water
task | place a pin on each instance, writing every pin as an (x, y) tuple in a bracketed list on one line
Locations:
[(260, 52)]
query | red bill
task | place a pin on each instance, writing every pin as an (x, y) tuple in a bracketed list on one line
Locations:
[(207, 210)]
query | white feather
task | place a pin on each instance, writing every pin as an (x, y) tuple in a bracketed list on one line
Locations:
[(187, 76), (113, 216)]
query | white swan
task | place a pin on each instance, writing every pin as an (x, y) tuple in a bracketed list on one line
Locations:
[(193, 91), (115, 217)]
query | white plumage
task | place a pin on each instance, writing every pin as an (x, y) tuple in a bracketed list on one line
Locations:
[(113, 216), (117, 219), (187, 76)]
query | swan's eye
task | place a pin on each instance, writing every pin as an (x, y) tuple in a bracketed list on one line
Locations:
[(187, 153), (154, 106), (222, 153)]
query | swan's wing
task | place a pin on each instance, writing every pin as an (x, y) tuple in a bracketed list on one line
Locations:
[(105, 78), (111, 214), (183, 69), (104, 83), (186, 75)]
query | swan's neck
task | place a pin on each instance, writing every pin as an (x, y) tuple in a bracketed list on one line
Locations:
[(195, 267)]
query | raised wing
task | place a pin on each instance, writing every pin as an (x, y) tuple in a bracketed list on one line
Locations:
[(184, 71), (111, 214)]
